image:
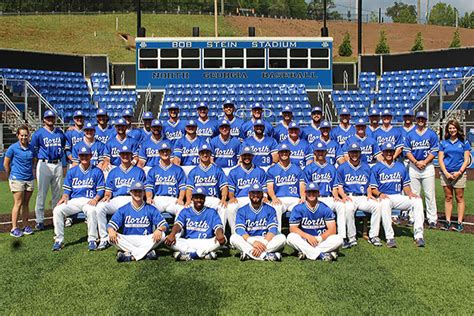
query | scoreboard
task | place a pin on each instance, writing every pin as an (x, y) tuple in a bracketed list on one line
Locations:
[(253, 60)]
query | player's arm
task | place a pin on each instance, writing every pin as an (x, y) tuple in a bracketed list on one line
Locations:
[(408, 192), (189, 195), (376, 193), (331, 230), (149, 196), (271, 193), (107, 196), (171, 238), (275, 157), (303, 190), (141, 163), (224, 194), (342, 194), (295, 228)]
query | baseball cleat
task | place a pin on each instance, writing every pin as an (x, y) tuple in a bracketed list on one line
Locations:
[(391, 243), (17, 233), (432, 225), (334, 255), (92, 246), (57, 246), (123, 257), (182, 256), (243, 256), (151, 255), (103, 245), (68, 222), (27, 230), (352, 242), (211, 256), (346, 245), (273, 256), (301, 256), (39, 226), (410, 223), (420, 242), (375, 241), (324, 256), (459, 227)]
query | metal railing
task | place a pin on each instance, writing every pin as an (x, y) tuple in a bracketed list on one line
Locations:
[(468, 87), (426, 97), (345, 80), (12, 108)]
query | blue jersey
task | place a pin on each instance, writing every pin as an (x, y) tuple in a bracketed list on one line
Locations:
[(285, 180), (324, 175), (454, 153), (211, 179), (166, 181), (144, 135), (301, 152), (137, 221), (97, 149), (354, 180), (103, 135), (280, 132), (369, 148), (236, 127), (391, 134), (49, 145), (225, 152), (174, 131), (247, 129), (256, 222), (333, 150), (149, 152), (262, 149), (113, 146), (341, 134), (405, 131), (312, 221), (241, 179), (311, 133), (80, 183), (369, 131), (389, 179), (134, 133), (207, 129), (421, 144), (21, 161), (199, 225), (120, 179), (188, 150), (73, 137)]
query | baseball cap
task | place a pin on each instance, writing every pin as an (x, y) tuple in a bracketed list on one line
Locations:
[(256, 188), (49, 113), (84, 150), (228, 102), (257, 106), (120, 122), (78, 113), (101, 112), (202, 105), (408, 112), (258, 122), (88, 125), (316, 109), (199, 191), (204, 147), (374, 112), (127, 113), (293, 125), (191, 123), (344, 111), (156, 123), (388, 146), (172, 106), (147, 116), (125, 149), (361, 122), (224, 122), (246, 150), (287, 109), (386, 112), (325, 124), (164, 146), (312, 186), (422, 114), (319, 145), (136, 186), (283, 147), (354, 147)]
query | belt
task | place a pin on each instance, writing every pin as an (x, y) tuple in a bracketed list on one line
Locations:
[(50, 161), (355, 194)]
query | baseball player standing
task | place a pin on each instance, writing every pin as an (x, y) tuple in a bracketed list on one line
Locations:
[(74, 134), (203, 231), (387, 133), (186, 149), (148, 154), (145, 132), (48, 142), (263, 147), (173, 128), (89, 140), (311, 132), (313, 229), (387, 181), (225, 148), (257, 114), (206, 128), (301, 151), (421, 148), (166, 183), (103, 132), (408, 125), (143, 227), (374, 122), (83, 188), (256, 229), (369, 148), (332, 147), (281, 130), (236, 123), (131, 131), (344, 130), (112, 149)]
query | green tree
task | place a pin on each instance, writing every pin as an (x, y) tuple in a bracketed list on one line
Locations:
[(263, 7), (456, 42), (316, 9), (442, 14), (418, 46), (279, 8), (374, 18), (382, 46), (345, 49), (298, 8), (467, 21), (402, 13)]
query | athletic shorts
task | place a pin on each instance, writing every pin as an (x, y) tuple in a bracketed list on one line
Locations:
[(459, 183), (20, 185)]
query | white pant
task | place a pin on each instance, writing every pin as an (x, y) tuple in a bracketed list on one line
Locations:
[(232, 211), (287, 204), (332, 243), (74, 206), (137, 245), (200, 246), (276, 244), (47, 174), (187, 169), (403, 203), (167, 204), (214, 203), (367, 205), (340, 210), (107, 208), (426, 179)]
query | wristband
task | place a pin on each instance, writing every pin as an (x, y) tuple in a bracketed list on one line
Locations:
[(319, 239)]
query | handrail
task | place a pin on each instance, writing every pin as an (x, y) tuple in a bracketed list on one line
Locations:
[(43, 100), (468, 74), (427, 95), (468, 88), (345, 80), (11, 106), (320, 93), (122, 80)]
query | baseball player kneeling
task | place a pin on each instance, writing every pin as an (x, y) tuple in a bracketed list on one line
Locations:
[(202, 231), (313, 228), (143, 227), (83, 188), (387, 180), (256, 229)]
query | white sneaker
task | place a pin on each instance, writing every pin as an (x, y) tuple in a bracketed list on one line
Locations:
[(68, 222)]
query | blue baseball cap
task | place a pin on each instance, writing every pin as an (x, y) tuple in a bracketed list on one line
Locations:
[(318, 145), (283, 147), (127, 113), (172, 106), (156, 123), (204, 147), (344, 111), (258, 122), (361, 122), (125, 149), (120, 122), (374, 112), (202, 105), (191, 123), (287, 109), (78, 113), (84, 150), (199, 191), (88, 125), (136, 186), (147, 116), (224, 122), (49, 113), (354, 147), (386, 112), (422, 114), (388, 146), (164, 146), (255, 188), (228, 102), (408, 112), (317, 109), (101, 112), (257, 106), (325, 124), (293, 125), (247, 150), (312, 186)]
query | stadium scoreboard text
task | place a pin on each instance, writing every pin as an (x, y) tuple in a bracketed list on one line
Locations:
[(255, 60)]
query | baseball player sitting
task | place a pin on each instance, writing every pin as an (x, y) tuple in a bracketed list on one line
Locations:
[(173, 128), (344, 130), (352, 181), (283, 183), (202, 231), (116, 191), (301, 153), (257, 114), (148, 154), (112, 149), (236, 123), (387, 180), (206, 127), (240, 179), (166, 183), (83, 188), (103, 132), (225, 147), (212, 179), (264, 147), (313, 229), (256, 229), (311, 132), (89, 140), (143, 227), (186, 148), (281, 130)]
